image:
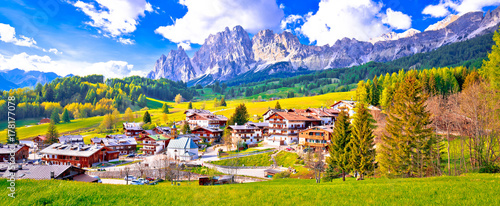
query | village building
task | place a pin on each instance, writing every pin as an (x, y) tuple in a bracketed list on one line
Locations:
[(318, 138), (350, 106), (154, 144), (284, 127), (71, 139), (204, 118), (162, 130), (21, 152), (208, 134), (40, 141), (196, 139), (250, 133), (125, 145), (132, 129), (44, 121), (182, 149), (77, 154), (46, 172)]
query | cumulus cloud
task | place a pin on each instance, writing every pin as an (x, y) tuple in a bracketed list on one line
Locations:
[(126, 41), (110, 69), (362, 20), (205, 17), (52, 50), (290, 21), (397, 19), (115, 17), (445, 7), (8, 35)]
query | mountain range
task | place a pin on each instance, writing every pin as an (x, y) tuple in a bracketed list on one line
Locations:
[(17, 78), (232, 52)]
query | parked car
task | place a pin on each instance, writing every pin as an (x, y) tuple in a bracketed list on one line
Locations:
[(130, 178), (131, 155), (155, 182), (290, 149), (97, 177), (150, 179), (143, 180), (137, 182)]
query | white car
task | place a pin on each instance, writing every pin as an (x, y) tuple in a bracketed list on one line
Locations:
[(129, 178)]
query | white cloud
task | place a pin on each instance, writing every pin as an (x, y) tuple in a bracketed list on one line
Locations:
[(290, 20), (461, 7), (205, 17), (397, 19), (185, 45), (115, 17), (8, 35), (125, 41), (52, 50), (361, 19), (110, 69)]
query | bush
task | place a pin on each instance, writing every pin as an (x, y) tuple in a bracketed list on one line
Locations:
[(490, 169), (282, 175)]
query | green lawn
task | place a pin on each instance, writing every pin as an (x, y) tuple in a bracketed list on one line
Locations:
[(249, 150), (287, 159), (253, 160), (471, 189)]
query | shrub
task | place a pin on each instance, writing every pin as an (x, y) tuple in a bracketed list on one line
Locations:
[(282, 175), (490, 169)]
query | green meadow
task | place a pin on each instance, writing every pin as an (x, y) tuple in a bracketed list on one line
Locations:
[(469, 189)]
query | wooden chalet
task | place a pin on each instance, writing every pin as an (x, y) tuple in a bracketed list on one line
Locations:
[(317, 138), (77, 155)]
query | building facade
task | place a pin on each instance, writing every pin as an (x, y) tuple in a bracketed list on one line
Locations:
[(77, 155)]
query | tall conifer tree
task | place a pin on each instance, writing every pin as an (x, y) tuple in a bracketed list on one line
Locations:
[(362, 155), (339, 148)]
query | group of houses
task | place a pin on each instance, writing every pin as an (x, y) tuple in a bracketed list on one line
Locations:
[(309, 128)]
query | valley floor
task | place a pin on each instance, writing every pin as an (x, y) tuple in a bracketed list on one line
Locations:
[(468, 189)]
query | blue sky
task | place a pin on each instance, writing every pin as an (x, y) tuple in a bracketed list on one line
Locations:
[(125, 37)]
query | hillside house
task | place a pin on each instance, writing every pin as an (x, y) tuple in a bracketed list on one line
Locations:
[(154, 144), (44, 121), (125, 145), (250, 132), (204, 118), (21, 152), (132, 129), (47, 172), (71, 139), (208, 134), (284, 127), (77, 155), (318, 138)]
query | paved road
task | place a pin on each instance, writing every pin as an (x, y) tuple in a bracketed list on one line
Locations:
[(113, 181)]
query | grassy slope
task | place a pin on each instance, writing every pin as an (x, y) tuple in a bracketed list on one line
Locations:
[(85, 126), (472, 189)]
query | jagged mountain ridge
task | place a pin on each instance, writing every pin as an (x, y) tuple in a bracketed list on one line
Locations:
[(231, 52), (17, 78)]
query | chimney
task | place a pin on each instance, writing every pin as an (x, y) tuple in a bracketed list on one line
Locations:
[(52, 175)]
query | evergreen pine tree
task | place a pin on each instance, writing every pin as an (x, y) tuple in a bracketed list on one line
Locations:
[(339, 148), (186, 129), (409, 134), (164, 109), (55, 116), (362, 155), (65, 116), (190, 105), (278, 106), (490, 67), (223, 102), (375, 92), (146, 118), (52, 133), (240, 115)]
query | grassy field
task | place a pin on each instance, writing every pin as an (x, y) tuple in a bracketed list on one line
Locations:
[(470, 189), (253, 160), (86, 126)]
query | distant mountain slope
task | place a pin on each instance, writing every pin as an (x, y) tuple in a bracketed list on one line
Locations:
[(17, 78), (231, 53)]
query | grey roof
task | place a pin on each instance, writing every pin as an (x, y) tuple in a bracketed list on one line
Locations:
[(72, 149), (132, 126), (40, 171), (210, 129), (192, 136), (96, 140), (246, 126), (119, 142), (259, 124), (71, 139), (7, 148), (116, 136), (182, 143)]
